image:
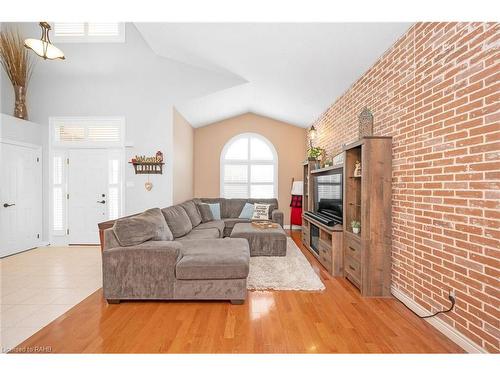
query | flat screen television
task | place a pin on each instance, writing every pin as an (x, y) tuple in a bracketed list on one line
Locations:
[(328, 195)]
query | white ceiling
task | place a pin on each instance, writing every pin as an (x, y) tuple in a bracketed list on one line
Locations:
[(289, 71)]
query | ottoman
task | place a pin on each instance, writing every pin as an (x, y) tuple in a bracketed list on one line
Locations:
[(262, 242)]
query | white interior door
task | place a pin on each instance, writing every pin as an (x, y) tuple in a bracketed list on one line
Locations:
[(88, 194), (20, 198)]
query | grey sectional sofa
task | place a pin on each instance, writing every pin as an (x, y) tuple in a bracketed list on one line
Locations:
[(172, 254)]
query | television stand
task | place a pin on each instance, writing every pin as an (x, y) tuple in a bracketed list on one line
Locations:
[(324, 242)]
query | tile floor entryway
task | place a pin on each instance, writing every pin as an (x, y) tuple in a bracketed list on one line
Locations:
[(39, 285)]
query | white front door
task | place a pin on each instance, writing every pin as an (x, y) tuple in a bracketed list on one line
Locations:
[(88, 194), (20, 198)]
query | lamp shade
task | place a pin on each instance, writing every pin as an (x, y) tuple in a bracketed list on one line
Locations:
[(43, 47), (297, 188)]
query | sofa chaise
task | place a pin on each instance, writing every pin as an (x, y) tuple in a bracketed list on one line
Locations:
[(174, 254)]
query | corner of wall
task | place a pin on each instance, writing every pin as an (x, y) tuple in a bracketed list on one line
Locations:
[(182, 158)]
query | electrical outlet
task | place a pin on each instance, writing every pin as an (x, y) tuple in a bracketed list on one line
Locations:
[(452, 298)]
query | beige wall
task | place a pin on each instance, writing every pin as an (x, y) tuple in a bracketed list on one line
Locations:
[(209, 141), (183, 182)]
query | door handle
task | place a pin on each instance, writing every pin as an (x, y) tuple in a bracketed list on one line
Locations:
[(8, 205), (103, 201)]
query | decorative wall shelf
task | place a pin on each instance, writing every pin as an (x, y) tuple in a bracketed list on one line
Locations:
[(148, 165), (147, 168)]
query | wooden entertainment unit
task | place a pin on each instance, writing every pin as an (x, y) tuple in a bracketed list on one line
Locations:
[(326, 242), (329, 246), (363, 258)]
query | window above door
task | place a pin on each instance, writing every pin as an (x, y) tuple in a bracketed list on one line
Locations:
[(87, 131), (88, 32)]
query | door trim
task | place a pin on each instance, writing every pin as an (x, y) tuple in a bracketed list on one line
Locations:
[(63, 239)]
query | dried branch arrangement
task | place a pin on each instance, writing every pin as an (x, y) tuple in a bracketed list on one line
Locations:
[(15, 59)]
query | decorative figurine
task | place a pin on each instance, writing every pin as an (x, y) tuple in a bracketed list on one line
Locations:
[(365, 123), (159, 156), (357, 169)]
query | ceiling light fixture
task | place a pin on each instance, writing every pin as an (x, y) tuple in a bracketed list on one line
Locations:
[(43, 47)]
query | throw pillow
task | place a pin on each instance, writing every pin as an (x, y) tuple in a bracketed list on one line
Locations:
[(247, 211), (134, 230), (205, 212), (261, 211), (177, 220), (215, 208)]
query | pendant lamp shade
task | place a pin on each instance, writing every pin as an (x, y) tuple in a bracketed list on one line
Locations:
[(43, 47)]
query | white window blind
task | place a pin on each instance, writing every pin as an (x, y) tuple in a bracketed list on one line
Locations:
[(58, 209), (89, 32), (249, 168), (91, 131), (69, 133), (59, 193), (69, 29), (107, 131), (103, 29), (114, 184)]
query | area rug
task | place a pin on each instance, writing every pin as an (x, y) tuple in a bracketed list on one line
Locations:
[(291, 272)]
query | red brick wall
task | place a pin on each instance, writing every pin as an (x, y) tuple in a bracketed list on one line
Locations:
[(436, 92)]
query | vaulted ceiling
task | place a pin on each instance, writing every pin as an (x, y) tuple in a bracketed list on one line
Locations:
[(288, 71)]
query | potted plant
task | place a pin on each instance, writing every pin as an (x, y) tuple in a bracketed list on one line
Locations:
[(314, 153), (356, 226), (327, 162)]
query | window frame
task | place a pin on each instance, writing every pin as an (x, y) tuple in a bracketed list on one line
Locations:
[(249, 162), (86, 122), (120, 38)]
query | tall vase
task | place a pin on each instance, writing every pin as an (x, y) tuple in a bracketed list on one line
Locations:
[(20, 110)]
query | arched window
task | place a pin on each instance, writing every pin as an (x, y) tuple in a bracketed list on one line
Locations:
[(249, 168)]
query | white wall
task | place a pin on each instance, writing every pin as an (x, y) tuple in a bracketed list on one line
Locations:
[(14, 129), (122, 79), (6, 94), (183, 171)]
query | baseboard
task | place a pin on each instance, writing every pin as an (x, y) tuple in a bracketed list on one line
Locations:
[(452, 333), (294, 227), (35, 246)]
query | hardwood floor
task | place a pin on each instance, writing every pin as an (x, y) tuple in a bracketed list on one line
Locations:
[(336, 320)]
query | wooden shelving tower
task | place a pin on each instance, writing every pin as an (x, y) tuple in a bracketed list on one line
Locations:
[(367, 199)]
